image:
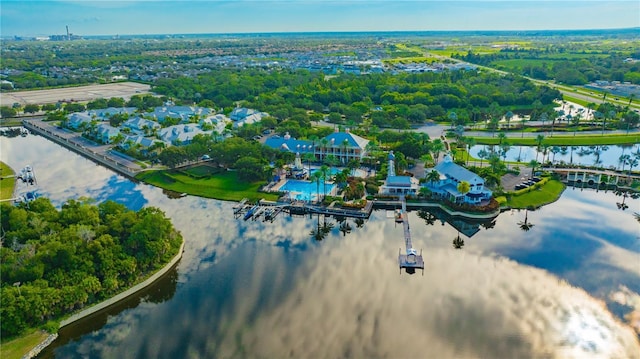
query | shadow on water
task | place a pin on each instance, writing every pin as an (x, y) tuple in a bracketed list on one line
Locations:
[(160, 291)]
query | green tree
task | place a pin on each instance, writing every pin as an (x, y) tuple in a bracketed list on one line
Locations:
[(7, 112), (31, 108)]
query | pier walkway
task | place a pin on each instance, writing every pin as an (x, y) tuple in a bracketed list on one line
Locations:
[(411, 260)]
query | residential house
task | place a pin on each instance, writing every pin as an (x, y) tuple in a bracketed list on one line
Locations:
[(451, 174), (76, 119), (183, 113), (144, 142), (180, 134), (140, 125), (241, 116), (218, 122), (105, 113), (106, 133)]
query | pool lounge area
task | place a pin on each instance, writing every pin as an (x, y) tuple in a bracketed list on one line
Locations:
[(304, 190)]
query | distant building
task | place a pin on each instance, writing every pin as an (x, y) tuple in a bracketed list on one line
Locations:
[(183, 113), (108, 112), (180, 134), (451, 175), (241, 116)]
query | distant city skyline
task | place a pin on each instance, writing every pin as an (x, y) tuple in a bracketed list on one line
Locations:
[(148, 17)]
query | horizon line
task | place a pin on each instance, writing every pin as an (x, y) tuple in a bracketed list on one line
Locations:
[(340, 32)]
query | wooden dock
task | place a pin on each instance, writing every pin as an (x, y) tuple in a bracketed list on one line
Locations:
[(411, 260)]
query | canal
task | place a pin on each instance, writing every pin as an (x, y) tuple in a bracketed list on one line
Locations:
[(559, 281)]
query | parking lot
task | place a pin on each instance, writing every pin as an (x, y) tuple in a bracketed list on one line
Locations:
[(75, 94)]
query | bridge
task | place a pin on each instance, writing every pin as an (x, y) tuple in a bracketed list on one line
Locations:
[(411, 260)]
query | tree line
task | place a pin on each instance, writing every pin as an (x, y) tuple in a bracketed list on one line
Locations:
[(387, 100), (57, 261)]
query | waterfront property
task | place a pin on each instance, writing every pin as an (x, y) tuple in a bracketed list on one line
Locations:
[(450, 176), (399, 185), (345, 146), (306, 191)]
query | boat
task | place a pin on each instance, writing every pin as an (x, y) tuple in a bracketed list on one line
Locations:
[(268, 214), (250, 212), (398, 216)]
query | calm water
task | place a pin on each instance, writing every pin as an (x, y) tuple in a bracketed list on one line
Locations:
[(605, 156), (254, 289)]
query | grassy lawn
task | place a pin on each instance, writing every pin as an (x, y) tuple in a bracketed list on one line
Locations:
[(18, 347), (566, 140), (223, 186), (7, 185), (536, 197)]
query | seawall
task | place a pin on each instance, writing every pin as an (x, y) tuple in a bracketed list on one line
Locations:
[(113, 300), (106, 159), (414, 205)]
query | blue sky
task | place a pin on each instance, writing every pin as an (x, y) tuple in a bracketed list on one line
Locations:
[(85, 17)]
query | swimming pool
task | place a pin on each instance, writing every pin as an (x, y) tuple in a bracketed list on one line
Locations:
[(357, 172), (305, 191)]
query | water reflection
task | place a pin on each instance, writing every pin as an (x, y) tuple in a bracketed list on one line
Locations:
[(600, 156), (260, 289)]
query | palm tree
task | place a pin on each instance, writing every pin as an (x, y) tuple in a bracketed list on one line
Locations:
[(309, 157), (433, 176), (331, 161), (523, 121), (429, 218), (345, 228), (504, 148), (323, 143), (437, 146), (533, 164), (316, 177), (539, 140), (326, 227), (318, 234), (482, 154), (543, 117), (453, 117), (525, 225), (632, 162), (324, 174), (345, 144), (575, 121), (508, 116), (554, 150), (622, 160), (470, 141), (558, 117), (501, 137), (464, 187), (458, 242)]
